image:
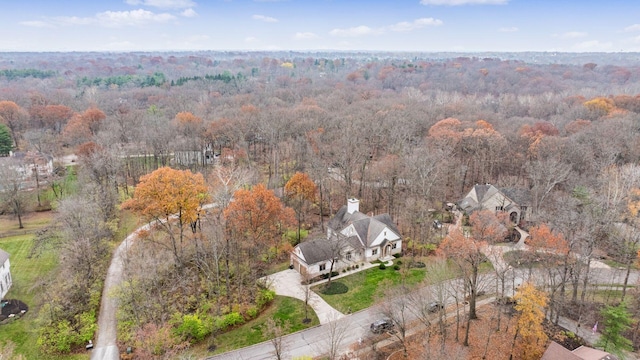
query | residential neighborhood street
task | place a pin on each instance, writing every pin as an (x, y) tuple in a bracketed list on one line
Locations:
[(314, 341)]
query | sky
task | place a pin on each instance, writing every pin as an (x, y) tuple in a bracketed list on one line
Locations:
[(321, 25)]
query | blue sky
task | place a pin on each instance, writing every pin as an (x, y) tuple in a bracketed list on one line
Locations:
[(301, 25)]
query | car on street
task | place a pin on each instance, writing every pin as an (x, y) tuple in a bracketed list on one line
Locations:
[(435, 306), (381, 326)]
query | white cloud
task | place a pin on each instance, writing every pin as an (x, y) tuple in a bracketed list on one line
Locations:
[(593, 45), (189, 13), (138, 17), (509, 29), (572, 35), (163, 4), (305, 36), (354, 31), (131, 18), (463, 2), (264, 18), (74, 20), (634, 27), (404, 26), (36, 23), (416, 24), (250, 39)]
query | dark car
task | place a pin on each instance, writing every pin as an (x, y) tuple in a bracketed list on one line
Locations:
[(435, 306), (381, 326)]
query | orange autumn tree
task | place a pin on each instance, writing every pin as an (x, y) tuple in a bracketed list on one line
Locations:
[(301, 191), (258, 217), (530, 339), (466, 250), (14, 117), (170, 198), (553, 249)]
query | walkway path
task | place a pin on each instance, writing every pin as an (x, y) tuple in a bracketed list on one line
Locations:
[(289, 283)]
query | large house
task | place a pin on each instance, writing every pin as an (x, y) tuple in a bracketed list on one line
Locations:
[(488, 197), (5, 274), (352, 238)]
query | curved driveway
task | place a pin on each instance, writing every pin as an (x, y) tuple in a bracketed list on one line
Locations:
[(106, 346)]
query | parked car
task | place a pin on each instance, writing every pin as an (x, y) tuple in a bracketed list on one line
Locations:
[(381, 326), (435, 306)]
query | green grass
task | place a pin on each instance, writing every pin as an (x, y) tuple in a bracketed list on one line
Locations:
[(32, 222), (282, 309), (363, 287), (26, 272)]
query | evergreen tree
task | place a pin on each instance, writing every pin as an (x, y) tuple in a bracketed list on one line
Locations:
[(6, 143), (617, 320)]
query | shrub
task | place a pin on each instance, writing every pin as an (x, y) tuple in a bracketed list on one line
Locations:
[(231, 319), (265, 296), (192, 328), (57, 338), (396, 267), (397, 255), (326, 276), (399, 262), (382, 266), (252, 312), (357, 266)]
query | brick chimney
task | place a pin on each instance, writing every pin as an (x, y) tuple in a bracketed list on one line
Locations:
[(353, 205)]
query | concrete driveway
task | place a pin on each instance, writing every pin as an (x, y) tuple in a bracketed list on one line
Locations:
[(289, 283)]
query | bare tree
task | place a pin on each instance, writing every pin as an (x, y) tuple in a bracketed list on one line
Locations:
[(306, 289), (12, 188), (275, 332), (430, 299), (545, 175), (397, 308), (336, 247), (336, 332)]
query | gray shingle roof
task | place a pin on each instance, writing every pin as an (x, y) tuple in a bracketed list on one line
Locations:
[(315, 250)]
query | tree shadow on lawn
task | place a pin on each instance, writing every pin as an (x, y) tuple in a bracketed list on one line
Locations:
[(335, 288)]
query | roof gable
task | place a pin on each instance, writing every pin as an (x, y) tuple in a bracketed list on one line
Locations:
[(315, 250)]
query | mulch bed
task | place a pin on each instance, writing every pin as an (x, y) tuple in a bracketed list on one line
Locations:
[(12, 308)]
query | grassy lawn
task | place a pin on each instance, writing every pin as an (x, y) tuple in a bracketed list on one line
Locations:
[(26, 272), (32, 222), (362, 288), (282, 309)]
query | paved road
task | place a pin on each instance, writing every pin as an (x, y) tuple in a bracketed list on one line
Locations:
[(311, 342)]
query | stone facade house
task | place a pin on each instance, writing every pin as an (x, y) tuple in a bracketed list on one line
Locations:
[(352, 238), (513, 201)]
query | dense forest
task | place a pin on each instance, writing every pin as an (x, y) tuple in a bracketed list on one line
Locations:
[(404, 133)]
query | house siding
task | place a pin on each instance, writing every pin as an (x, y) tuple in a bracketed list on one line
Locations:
[(5, 278)]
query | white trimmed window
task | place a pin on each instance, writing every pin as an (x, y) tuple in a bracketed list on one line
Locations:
[(323, 267), (394, 245), (374, 252)]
